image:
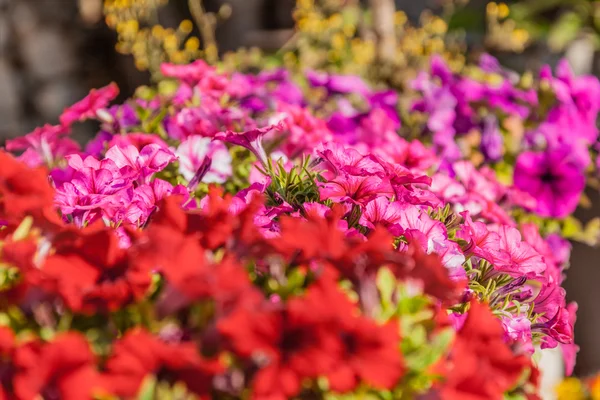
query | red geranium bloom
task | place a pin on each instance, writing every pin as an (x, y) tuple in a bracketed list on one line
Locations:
[(92, 273), (23, 190), (62, 369), (482, 366), (139, 354)]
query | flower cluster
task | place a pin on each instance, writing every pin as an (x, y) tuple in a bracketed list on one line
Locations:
[(239, 235), (542, 133)]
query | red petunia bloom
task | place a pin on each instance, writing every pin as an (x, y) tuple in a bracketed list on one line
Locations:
[(62, 369), (371, 354), (139, 354), (482, 366), (288, 347), (23, 190), (7, 348), (92, 273)]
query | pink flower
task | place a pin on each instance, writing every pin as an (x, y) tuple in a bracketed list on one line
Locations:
[(336, 159), (383, 212), (417, 223), (304, 131), (192, 152), (189, 73), (570, 350), (354, 189), (139, 140), (143, 164), (517, 329), (43, 146), (516, 257), (95, 101), (481, 241), (251, 140)]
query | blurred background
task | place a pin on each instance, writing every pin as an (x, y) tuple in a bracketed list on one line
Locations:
[(52, 52)]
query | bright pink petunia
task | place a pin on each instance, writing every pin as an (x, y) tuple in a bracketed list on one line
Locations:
[(43, 146), (152, 158), (383, 212), (517, 257), (251, 140), (354, 189), (95, 101), (481, 241)]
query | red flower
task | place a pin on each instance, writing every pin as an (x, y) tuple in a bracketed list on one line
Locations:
[(139, 354), (370, 352), (92, 273), (288, 347), (214, 226), (23, 190), (482, 366), (431, 272), (7, 347), (315, 238), (61, 369), (371, 355)]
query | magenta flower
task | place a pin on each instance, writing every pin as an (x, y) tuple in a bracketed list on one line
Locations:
[(190, 73), (96, 100), (481, 241), (251, 140), (553, 178), (570, 350), (43, 146)]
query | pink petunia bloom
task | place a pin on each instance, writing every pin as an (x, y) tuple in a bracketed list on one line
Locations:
[(43, 146), (517, 257), (570, 351), (251, 140), (95, 101), (417, 224), (152, 158), (336, 159), (92, 190), (383, 212), (190, 73), (517, 329), (139, 140), (481, 241), (304, 131), (192, 152), (354, 189)]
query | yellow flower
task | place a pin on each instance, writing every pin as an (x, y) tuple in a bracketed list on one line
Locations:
[(570, 389)]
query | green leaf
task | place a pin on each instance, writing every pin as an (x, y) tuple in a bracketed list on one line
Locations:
[(564, 31), (148, 388)]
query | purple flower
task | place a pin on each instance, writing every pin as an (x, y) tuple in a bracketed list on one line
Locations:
[(491, 139), (553, 178)]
